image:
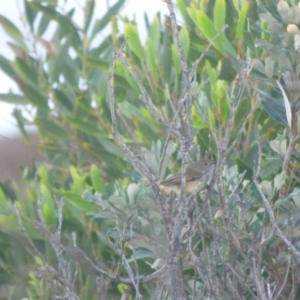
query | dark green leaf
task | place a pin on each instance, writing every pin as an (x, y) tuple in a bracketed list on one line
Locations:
[(71, 75), (89, 10), (90, 197), (43, 25), (26, 71), (30, 14), (242, 110), (6, 67), (273, 107), (63, 100), (48, 127), (17, 113), (35, 96), (86, 127), (278, 55), (96, 63), (165, 59), (61, 60), (141, 253), (48, 10), (242, 167), (66, 26)]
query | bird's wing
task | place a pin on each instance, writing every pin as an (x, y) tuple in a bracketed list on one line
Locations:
[(173, 180), (176, 178)]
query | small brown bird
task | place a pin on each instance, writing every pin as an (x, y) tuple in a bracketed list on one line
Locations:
[(196, 177)]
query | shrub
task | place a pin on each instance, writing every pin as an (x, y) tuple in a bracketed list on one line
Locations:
[(224, 85)]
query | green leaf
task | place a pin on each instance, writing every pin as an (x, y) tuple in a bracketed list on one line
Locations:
[(71, 75), (63, 100), (219, 14), (47, 10), (60, 61), (35, 96), (112, 148), (242, 167), (154, 34), (140, 253), (14, 99), (242, 110), (134, 42), (66, 26), (205, 25), (85, 126), (11, 29), (10, 223), (26, 71), (181, 4), (273, 107), (222, 104), (97, 180), (6, 67), (48, 208), (278, 55), (17, 113), (240, 25), (3, 201), (185, 40), (87, 196), (165, 58), (123, 71), (176, 63), (30, 14), (76, 200), (43, 25), (68, 29), (101, 153), (50, 128), (150, 59), (271, 167), (96, 63), (89, 10), (78, 183)]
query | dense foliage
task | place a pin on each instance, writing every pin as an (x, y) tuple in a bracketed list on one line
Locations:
[(115, 114)]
